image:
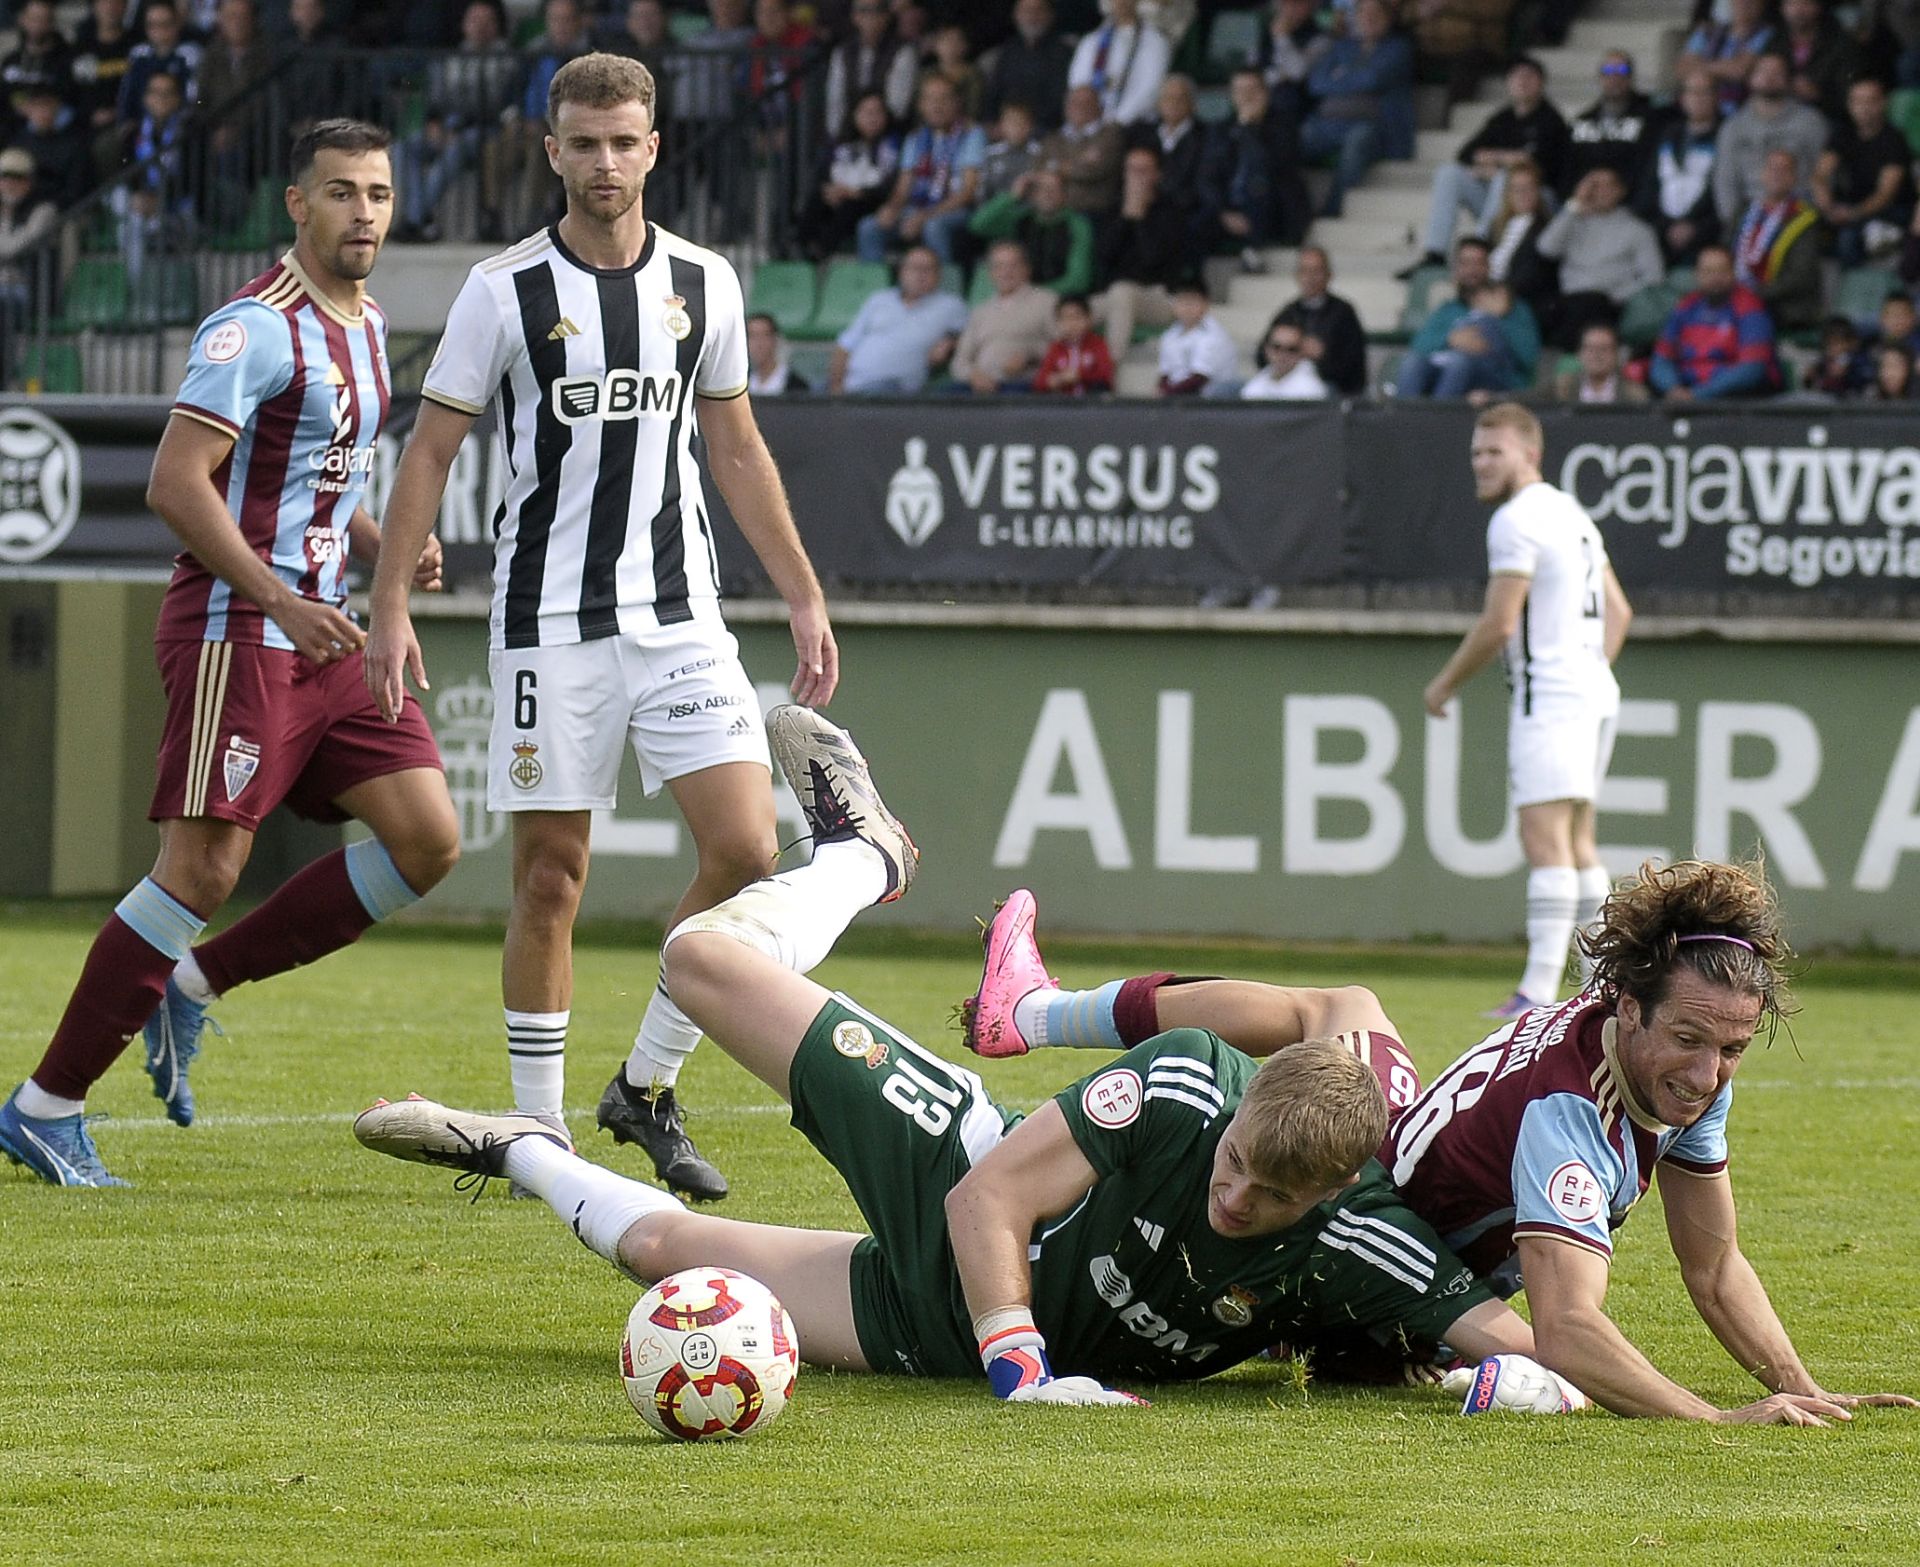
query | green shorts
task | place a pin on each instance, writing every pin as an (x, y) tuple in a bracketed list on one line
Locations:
[(901, 1126)]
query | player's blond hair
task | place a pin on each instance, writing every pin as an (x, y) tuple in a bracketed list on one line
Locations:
[(1720, 921), (601, 81), (1512, 416), (1312, 1115)]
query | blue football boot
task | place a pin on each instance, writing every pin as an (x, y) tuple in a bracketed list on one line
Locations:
[(173, 1040), (59, 1150)]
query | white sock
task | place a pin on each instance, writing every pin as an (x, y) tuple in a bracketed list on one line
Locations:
[(35, 1101), (537, 1059), (797, 916), (193, 984), (1551, 895), (597, 1205), (1595, 884), (666, 1038)]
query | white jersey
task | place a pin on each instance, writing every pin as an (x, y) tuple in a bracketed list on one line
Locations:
[(1556, 657), (603, 527)]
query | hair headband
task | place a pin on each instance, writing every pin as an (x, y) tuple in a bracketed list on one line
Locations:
[(1714, 935)]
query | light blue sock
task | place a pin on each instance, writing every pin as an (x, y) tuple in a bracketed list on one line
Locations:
[(377, 882), (1071, 1019)]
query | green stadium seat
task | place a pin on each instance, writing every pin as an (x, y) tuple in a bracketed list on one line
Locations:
[(687, 24), (52, 365), (953, 278), (1903, 109), (95, 295), (785, 290), (1646, 313), (266, 225), (165, 293), (842, 293), (1420, 286), (1232, 41), (1212, 105), (1862, 291), (982, 285), (1683, 278)]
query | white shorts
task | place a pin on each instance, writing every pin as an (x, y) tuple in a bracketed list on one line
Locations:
[(678, 694), (1558, 756)]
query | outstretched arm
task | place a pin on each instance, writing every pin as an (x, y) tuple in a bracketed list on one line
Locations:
[(1728, 1294), (1506, 597), (1261, 1019)]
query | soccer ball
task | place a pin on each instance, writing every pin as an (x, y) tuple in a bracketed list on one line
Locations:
[(709, 1353)]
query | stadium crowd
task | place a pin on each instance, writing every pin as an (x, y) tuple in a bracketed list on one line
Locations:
[(1048, 179)]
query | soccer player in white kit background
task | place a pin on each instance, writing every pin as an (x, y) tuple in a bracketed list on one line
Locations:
[(1557, 611)]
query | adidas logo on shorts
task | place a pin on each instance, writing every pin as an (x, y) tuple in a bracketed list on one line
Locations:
[(740, 726)]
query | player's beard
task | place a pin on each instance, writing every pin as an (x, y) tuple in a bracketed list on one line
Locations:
[(583, 202), (354, 266)]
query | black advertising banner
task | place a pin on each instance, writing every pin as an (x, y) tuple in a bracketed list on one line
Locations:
[(73, 483), (1186, 495)]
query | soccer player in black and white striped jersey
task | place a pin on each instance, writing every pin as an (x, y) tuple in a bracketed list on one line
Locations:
[(601, 341)]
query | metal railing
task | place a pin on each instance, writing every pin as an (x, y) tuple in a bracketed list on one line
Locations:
[(108, 305)]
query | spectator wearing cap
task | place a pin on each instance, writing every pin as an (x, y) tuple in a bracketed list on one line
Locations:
[(1142, 253), (1087, 151), (1607, 254), (1726, 50), (1124, 61), (163, 50), (1252, 181), (1822, 57), (1861, 184), (1718, 342), (1526, 126), (1770, 119), (1331, 334), (101, 47), (28, 223), (1776, 249), (52, 137), (1363, 101), (42, 58), (933, 195), (770, 372), (1616, 130), (901, 335), (872, 58), (1057, 240), (1032, 66), (1196, 352), (1007, 333), (1676, 191)]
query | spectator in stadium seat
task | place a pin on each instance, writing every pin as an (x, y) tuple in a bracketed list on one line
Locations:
[(1844, 368), (1289, 48), (1476, 356), (29, 222), (1007, 333), (1606, 254), (1527, 126), (642, 33), (1893, 380), (933, 194), (1821, 55), (101, 46), (310, 77), (468, 94), (901, 335), (1285, 373), (1332, 336), (1196, 352), (1031, 67), (1124, 61), (1181, 140), (1862, 185), (872, 58), (1518, 325), (1012, 152), (703, 87), (1078, 362), (1776, 249), (1676, 193), (1726, 50), (1513, 235), (519, 188), (1363, 109), (1718, 341), (153, 206), (1087, 151), (952, 57), (163, 50), (1142, 254), (1252, 182), (769, 370), (857, 173), (43, 57), (1899, 21), (1057, 240), (1617, 129), (53, 136), (1599, 380), (777, 57), (1770, 118), (240, 138)]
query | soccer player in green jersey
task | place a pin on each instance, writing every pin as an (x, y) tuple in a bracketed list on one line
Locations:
[(1173, 1214)]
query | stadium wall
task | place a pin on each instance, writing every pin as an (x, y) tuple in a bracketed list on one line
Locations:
[(1225, 773)]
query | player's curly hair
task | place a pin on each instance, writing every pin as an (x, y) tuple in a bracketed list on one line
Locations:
[(1313, 1114), (601, 81), (1716, 920)]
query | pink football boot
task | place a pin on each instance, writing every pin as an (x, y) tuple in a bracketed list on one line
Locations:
[(1013, 970)]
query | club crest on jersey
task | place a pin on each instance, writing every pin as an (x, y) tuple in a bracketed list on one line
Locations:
[(1113, 1099), (855, 1041), (525, 770), (676, 321), (1235, 1308), (619, 394), (241, 762)]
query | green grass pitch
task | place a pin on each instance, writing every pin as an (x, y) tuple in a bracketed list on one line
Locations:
[(280, 1348)]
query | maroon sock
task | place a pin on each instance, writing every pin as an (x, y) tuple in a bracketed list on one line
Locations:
[(315, 913), (118, 989), (1136, 1010)]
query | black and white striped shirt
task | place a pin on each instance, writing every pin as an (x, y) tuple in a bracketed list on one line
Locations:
[(603, 527)]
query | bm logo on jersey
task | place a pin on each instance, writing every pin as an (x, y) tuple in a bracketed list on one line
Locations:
[(619, 394)]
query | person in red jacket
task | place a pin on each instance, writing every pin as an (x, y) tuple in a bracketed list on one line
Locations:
[(1718, 342), (1077, 361)]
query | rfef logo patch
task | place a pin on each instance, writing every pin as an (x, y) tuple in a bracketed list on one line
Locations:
[(225, 343), (1113, 1099), (1574, 1193)]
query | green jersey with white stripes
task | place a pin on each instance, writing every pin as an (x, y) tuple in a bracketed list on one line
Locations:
[(1135, 1283)]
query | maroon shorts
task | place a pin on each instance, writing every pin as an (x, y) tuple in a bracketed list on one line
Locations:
[(249, 727)]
